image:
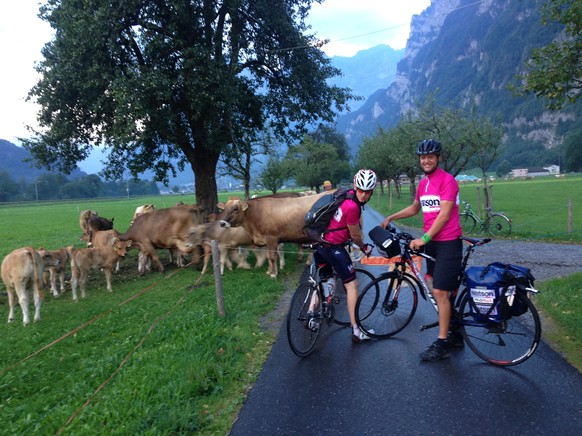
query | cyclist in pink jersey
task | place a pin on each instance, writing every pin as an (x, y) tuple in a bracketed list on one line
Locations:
[(438, 199), (345, 226)]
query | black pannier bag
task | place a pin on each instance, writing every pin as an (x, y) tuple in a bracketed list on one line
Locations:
[(385, 242), (492, 289)]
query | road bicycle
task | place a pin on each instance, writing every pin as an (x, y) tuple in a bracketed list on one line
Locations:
[(328, 304), (495, 223), (388, 304)]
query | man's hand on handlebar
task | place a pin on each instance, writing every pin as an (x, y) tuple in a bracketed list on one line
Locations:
[(417, 244)]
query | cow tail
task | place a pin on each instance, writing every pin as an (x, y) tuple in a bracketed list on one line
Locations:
[(32, 253)]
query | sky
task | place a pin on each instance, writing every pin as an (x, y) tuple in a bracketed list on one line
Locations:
[(350, 26)]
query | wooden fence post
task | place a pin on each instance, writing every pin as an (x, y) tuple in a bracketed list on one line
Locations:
[(569, 216), (217, 277)]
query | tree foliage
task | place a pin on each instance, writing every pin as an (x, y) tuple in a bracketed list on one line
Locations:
[(274, 174), (313, 162), (554, 71), (176, 80)]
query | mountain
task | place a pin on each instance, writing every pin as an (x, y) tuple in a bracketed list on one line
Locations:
[(367, 71), (466, 54), (12, 160)]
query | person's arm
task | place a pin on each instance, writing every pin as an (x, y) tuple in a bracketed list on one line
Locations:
[(356, 235), (407, 212)]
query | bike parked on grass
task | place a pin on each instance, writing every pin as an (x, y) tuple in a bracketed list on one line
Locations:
[(388, 304), (494, 223)]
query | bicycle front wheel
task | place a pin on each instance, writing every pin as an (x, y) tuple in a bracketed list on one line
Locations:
[(387, 305), (340, 298), (302, 332), (468, 223), (504, 343), (499, 225)]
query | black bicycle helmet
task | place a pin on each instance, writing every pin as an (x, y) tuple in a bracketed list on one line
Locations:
[(428, 146)]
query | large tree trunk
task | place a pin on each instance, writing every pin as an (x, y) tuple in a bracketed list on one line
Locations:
[(204, 167)]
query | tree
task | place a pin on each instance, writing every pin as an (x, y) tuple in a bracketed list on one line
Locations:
[(313, 162), (503, 169), (573, 151), (274, 174), (160, 81), (554, 71), (9, 189)]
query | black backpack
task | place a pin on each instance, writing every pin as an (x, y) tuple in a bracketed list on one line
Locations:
[(318, 217)]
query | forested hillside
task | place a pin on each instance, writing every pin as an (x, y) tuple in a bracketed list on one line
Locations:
[(467, 54)]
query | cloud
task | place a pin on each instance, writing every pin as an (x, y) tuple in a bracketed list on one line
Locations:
[(358, 25)]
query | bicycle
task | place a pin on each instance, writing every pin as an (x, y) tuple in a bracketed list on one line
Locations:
[(330, 306), (388, 304), (495, 223)]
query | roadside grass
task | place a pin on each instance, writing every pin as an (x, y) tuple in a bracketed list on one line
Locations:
[(561, 301), (154, 357)]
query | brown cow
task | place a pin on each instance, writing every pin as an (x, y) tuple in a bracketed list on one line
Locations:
[(54, 272), (101, 238), (229, 239), (269, 221), (19, 268), (163, 228), (84, 218), (84, 259)]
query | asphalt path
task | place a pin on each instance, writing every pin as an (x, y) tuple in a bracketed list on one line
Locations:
[(382, 388)]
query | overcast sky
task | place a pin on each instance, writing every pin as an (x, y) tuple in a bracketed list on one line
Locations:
[(350, 25)]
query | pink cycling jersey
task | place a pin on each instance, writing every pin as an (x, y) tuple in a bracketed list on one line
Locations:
[(433, 189), (348, 214)]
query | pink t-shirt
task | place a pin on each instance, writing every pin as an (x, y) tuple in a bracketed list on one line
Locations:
[(435, 187), (348, 214)]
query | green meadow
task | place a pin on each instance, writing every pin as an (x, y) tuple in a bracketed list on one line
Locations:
[(154, 356)]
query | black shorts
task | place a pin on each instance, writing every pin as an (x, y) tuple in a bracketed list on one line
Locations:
[(446, 268), (339, 259)]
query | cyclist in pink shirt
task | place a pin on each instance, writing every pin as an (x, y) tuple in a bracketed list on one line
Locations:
[(438, 198)]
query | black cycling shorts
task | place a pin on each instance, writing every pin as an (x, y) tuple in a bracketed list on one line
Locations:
[(447, 265), (339, 259)]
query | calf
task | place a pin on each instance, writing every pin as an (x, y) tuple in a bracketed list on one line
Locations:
[(19, 268), (84, 259), (101, 238), (62, 254), (84, 218)]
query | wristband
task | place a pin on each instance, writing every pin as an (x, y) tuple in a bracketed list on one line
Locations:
[(426, 238)]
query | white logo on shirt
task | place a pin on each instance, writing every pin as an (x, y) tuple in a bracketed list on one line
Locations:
[(430, 203)]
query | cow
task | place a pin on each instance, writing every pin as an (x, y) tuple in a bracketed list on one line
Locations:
[(54, 272), (164, 228), (229, 239), (84, 218), (101, 238), (98, 223), (85, 259), (269, 221), (140, 210), (20, 268)]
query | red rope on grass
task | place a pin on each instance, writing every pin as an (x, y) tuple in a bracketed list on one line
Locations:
[(125, 360)]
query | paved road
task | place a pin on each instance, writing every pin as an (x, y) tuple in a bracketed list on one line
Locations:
[(382, 388)]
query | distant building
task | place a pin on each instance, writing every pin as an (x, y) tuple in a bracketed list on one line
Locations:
[(529, 172)]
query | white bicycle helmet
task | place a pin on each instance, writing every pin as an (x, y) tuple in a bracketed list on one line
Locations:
[(365, 180)]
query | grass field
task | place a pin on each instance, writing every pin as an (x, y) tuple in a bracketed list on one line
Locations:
[(154, 357)]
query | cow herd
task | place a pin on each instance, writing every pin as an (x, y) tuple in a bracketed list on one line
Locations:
[(183, 230)]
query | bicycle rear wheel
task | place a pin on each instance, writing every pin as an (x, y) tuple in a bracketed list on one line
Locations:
[(468, 223), (302, 333), (340, 299), (387, 305), (499, 225), (504, 343)]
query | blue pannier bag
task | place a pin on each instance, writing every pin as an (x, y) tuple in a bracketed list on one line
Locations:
[(492, 287)]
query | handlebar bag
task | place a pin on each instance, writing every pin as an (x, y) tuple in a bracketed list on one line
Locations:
[(385, 241)]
